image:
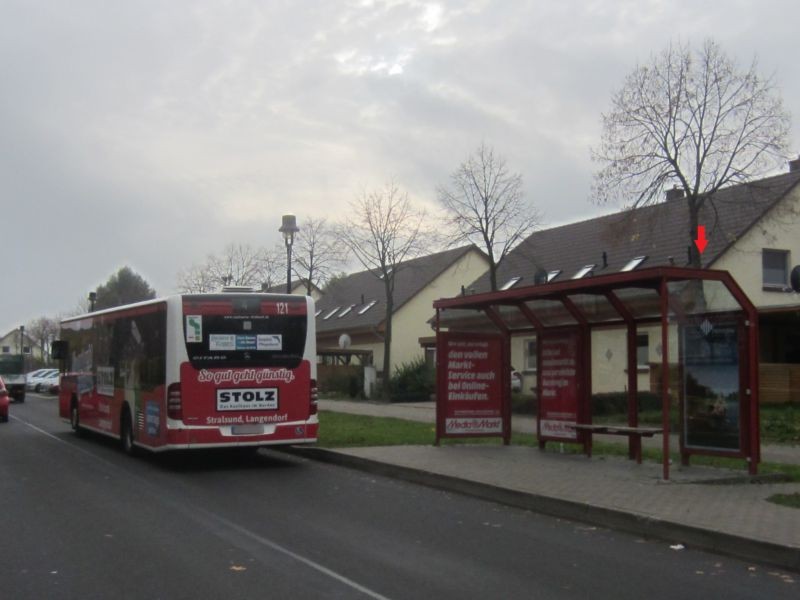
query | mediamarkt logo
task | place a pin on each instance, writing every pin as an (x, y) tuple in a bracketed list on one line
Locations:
[(242, 375)]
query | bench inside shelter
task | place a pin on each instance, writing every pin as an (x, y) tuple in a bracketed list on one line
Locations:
[(635, 435)]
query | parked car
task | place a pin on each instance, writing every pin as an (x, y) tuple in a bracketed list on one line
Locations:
[(36, 373), (37, 383), (50, 383), (4, 402)]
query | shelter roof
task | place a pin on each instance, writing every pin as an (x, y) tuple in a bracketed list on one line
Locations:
[(600, 300)]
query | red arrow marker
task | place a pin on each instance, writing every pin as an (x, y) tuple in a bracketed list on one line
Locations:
[(701, 240)]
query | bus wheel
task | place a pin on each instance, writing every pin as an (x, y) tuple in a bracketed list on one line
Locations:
[(75, 417), (126, 433)]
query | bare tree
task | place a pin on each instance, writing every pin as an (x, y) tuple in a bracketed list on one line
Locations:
[(693, 120), (486, 206), (43, 331), (238, 264), (385, 229), (316, 253), (197, 279)]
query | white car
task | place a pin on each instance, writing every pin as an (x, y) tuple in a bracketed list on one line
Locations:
[(35, 373), (37, 381), (51, 382)]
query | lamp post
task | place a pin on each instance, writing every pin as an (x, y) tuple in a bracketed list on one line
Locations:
[(288, 229), (92, 300)]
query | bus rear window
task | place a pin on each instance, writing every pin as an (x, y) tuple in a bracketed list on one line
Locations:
[(252, 340)]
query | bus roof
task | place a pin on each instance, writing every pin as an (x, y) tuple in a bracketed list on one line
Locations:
[(165, 299)]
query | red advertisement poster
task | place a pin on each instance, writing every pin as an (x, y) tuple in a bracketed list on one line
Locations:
[(470, 385), (558, 405)]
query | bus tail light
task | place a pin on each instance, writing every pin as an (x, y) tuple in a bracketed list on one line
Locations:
[(174, 403), (313, 396)]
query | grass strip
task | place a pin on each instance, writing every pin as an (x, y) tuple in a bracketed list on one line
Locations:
[(342, 430), (790, 500)]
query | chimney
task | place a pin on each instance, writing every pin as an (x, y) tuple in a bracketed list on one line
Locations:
[(675, 193), (794, 165)]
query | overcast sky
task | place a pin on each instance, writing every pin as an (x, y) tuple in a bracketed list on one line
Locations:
[(152, 133)]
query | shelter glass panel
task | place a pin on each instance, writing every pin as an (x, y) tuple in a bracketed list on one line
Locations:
[(513, 318), (466, 319), (643, 303), (688, 298), (596, 308), (551, 312)]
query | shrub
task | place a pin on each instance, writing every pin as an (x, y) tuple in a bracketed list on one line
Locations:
[(413, 382), (344, 384)]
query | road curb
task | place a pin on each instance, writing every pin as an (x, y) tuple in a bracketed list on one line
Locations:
[(785, 557)]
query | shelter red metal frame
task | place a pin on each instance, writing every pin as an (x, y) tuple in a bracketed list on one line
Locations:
[(651, 280)]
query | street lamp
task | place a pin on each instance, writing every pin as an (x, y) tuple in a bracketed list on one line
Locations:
[(288, 229), (92, 300)]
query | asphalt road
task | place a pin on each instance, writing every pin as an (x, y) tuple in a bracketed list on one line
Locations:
[(78, 519)]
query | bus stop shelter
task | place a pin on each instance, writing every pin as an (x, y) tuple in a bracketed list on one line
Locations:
[(707, 374)]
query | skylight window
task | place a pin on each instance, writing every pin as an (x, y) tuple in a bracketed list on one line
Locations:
[(318, 313), (346, 310), (553, 274), (584, 271), (331, 313), (510, 283), (633, 263), (367, 307)]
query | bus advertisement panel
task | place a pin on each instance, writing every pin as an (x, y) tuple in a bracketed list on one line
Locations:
[(194, 371), (473, 394), (558, 404)]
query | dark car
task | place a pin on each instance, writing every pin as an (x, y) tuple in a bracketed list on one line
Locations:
[(4, 402)]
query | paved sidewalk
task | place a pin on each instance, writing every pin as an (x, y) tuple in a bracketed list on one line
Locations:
[(733, 518)]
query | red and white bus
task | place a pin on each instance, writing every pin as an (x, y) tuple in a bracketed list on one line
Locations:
[(193, 371)]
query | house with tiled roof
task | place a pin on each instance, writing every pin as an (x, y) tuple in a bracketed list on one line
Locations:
[(753, 231), (351, 315)]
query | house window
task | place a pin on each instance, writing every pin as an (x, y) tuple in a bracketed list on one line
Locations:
[(367, 307), (642, 350), (346, 310), (633, 263), (6, 349), (510, 283), (584, 271), (530, 354), (330, 314), (775, 266), (430, 357), (26, 349), (553, 274)]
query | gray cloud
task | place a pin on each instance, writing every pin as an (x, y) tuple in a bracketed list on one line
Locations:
[(153, 133)]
